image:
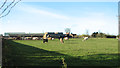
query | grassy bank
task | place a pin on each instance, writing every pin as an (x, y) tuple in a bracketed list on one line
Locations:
[(74, 52)]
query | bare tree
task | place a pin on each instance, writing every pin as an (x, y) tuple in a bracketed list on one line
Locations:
[(87, 32), (6, 8), (67, 30)]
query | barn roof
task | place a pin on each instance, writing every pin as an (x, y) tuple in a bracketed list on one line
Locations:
[(15, 33), (27, 35)]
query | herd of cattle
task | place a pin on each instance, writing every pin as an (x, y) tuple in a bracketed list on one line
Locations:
[(40, 36), (45, 37)]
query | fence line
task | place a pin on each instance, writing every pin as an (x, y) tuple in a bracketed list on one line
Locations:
[(0, 51)]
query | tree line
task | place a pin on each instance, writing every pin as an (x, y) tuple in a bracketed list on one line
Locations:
[(97, 35)]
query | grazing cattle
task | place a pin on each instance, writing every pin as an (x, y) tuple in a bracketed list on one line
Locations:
[(27, 38), (53, 38), (45, 38), (61, 40), (53, 35), (35, 38), (85, 38), (117, 37), (66, 38)]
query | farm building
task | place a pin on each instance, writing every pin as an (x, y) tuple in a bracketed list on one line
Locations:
[(8, 33), (23, 35)]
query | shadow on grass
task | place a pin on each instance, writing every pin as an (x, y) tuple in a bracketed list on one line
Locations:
[(16, 54)]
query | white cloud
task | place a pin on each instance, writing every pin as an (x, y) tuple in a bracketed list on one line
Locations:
[(43, 12), (93, 23)]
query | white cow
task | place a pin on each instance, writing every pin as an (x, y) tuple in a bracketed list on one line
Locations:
[(35, 38), (66, 38), (53, 38), (85, 38), (117, 38)]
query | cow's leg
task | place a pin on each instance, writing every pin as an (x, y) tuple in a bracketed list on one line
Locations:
[(61, 40), (43, 40), (46, 40)]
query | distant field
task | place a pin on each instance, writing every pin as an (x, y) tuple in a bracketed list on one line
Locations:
[(74, 52)]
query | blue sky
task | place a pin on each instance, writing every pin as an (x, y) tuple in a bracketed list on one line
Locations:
[(38, 17)]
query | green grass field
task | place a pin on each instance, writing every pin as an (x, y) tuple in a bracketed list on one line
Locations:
[(74, 52)]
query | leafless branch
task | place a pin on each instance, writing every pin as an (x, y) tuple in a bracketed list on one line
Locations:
[(7, 7), (3, 4), (12, 3)]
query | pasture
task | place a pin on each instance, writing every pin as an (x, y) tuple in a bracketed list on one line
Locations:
[(73, 52)]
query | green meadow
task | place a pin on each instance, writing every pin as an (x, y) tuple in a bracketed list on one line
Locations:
[(73, 52)]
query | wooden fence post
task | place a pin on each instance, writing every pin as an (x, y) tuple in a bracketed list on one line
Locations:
[(0, 51)]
